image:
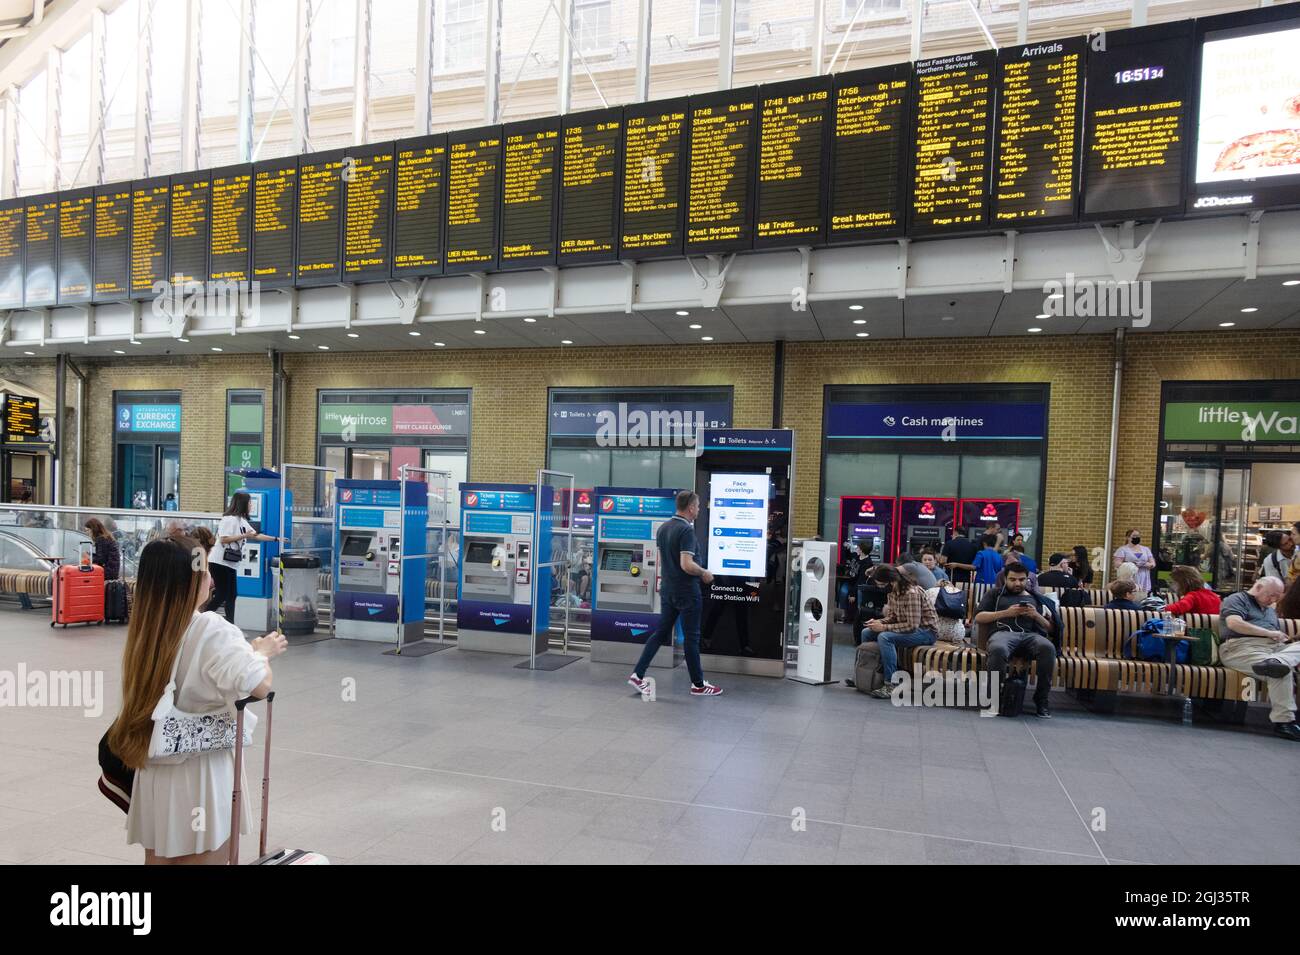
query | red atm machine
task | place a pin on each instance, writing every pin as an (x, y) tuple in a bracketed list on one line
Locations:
[(868, 517), (923, 522), (977, 514)]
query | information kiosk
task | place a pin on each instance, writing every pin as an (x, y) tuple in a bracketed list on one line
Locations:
[(255, 575), (370, 531), (495, 611), (625, 573)]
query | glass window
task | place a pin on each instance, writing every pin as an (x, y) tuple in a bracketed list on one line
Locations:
[(220, 34), (855, 473), (458, 100), (679, 65), (530, 59), (33, 161), (677, 470), (708, 14), (75, 168), (166, 65), (275, 42), (463, 40), (121, 30), (392, 68), (634, 468), (590, 467), (329, 79), (604, 53), (1005, 476), (778, 48), (880, 33), (593, 25), (928, 475)]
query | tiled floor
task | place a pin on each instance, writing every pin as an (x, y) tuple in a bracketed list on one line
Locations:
[(460, 757)]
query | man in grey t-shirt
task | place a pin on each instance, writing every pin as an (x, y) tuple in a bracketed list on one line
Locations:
[(1251, 642)]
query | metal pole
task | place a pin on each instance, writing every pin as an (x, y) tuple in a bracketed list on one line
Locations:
[(401, 529), (442, 558), (726, 43), (568, 577), (1114, 457), (643, 22), (537, 566)]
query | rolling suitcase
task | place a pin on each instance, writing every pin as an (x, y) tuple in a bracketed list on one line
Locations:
[(278, 856), (115, 604), (78, 592)]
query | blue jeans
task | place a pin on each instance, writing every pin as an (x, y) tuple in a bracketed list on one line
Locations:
[(890, 641), (690, 609)]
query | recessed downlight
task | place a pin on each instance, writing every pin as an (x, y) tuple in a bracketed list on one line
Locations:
[(1248, 310), (864, 334), (859, 321), (695, 327), (118, 351), (295, 337), (353, 335), (323, 347), (1035, 330), (947, 318), (1227, 324), (183, 341), (531, 321), (566, 341), (217, 348), (1290, 282), (29, 353), (414, 334), (682, 312), (1042, 315), (706, 338), (440, 344), (479, 331), (855, 308)]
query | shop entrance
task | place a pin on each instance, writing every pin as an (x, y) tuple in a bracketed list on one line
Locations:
[(26, 478), (146, 474), (1217, 514)]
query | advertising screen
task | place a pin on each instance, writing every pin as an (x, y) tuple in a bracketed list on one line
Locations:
[(738, 524)]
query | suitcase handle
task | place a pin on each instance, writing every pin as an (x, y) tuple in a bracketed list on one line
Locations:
[(239, 767)]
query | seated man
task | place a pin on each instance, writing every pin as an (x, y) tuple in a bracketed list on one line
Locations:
[(1025, 623), (1059, 573), (909, 620), (1251, 642)]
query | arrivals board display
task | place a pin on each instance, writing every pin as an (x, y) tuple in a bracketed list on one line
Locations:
[(795, 123), (231, 243), (22, 423), (112, 250), (40, 260), (150, 209), (1040, 102), (1135, 128), (952, 135), (12, 239), (419, 201), (720, 181), (1247, 144), (654, 180), (275, 206), (367, 226), (531, 157), (591, 158), (473, 181), (320, 218), (869, 153), (189, 230), (76, 228)]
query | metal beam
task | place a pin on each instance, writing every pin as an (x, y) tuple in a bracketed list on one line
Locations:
[(301, 77), (423, 67), (53, 117), (492, 63), (918, 21), (143, 118), (248, 25), (361, 75), (726, 42), (564, 89), (190, 104), (644, 17), (9, 144), (818, 37), (98, 99)]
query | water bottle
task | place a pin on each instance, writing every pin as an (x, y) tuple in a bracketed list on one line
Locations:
[(1187, 711)]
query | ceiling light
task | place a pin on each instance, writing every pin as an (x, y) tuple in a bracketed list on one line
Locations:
[(706, 338), (946, 318), (217, 348), (1247, 311), (184, 341), (530, 321), (323, 347), (1043, 315), (859, 321), (353, 335), (1292, 282), (1227, 324), (855, 308), (479, 331), (295, 337), (864, 334), (439, 344), (1057, 295), (134, 342), (566, 341), (118, 351), (696, 328), (1035, 329), (29, 353), (682, 313), (414, 334)]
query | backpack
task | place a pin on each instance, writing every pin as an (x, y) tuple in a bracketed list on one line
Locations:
[(867, 673), (1146, 645)]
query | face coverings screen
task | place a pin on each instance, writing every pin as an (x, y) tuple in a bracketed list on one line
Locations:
[(738, 524)]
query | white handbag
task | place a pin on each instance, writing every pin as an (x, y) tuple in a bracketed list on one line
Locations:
[(177, 733)]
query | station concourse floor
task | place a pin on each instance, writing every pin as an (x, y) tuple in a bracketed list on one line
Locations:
[(434, 748)]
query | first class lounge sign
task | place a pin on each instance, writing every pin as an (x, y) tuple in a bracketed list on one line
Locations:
[(1248, 421)]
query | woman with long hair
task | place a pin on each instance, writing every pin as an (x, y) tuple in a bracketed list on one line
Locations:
[(107, 554), (232, 531), (1082, 565), (213, 666), (1193, 596), (909, 620)]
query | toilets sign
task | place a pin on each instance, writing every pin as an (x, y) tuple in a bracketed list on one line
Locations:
[(1251, 421)]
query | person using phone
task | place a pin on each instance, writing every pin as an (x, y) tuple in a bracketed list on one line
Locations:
[(1025, 624)]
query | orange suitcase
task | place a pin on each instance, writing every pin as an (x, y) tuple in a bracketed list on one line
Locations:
[(78, 594)]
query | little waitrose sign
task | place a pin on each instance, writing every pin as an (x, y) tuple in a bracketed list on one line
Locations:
[(394, 420), (1232, 421)]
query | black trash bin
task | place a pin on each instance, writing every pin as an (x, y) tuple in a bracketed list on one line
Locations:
[(297, 587)]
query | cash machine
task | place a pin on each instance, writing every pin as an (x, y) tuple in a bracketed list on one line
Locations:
[(378, 596), (255, 575), (625, 573), (498, 563), (924, 523)]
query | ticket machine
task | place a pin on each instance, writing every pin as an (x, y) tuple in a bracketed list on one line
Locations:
[(255, 575), (625, 573), (370, 535), (498, 563)]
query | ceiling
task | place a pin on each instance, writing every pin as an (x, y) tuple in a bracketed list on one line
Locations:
[(1194, 305)]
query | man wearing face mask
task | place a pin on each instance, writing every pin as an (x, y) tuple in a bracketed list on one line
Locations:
[(1138, 554)]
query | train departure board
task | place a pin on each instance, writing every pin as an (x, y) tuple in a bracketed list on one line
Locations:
[(473, 180), (654, 145), (419, 201), (40, 261), (112, 275), (1135, 132), (367, 226), (76, 227), (1247, 145), (793, 151), (1040, 100), (230, 247), (275, 204), (320, 218), (530, 160), (952, 120), (591, 156), (869, 154), (150, 206), (189, 229), (720, 181), (22, 419), (12, 227)]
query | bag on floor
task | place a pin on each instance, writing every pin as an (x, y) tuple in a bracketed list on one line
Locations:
[(867, 673), (115, 605), (1011, 697)]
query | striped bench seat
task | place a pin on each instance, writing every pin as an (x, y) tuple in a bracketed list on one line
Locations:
[(31, 583)]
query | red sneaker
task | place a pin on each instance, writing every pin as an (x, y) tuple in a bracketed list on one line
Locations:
[(639, 684), (706, 689)]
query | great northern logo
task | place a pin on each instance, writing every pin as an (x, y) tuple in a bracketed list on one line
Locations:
[(471, 499), (607, 504)]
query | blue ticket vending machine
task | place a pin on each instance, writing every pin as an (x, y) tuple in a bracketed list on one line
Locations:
[(370, 531), (254, 577), (625, 573), (495, 609)]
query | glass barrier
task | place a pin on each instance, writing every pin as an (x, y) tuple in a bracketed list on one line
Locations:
[(17, 553)]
